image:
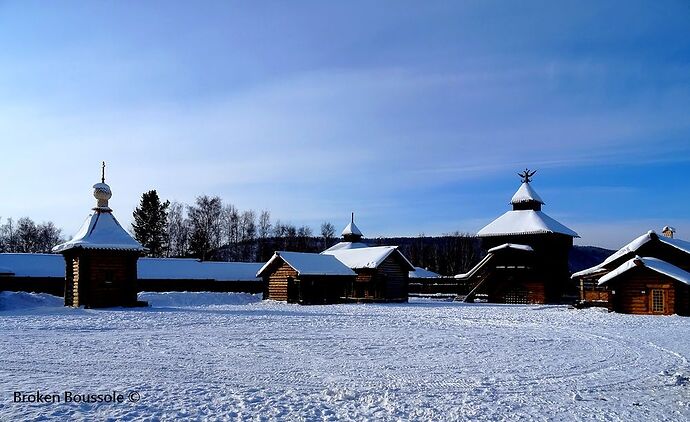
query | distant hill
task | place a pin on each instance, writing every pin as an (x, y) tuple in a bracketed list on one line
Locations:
[(583, 257)]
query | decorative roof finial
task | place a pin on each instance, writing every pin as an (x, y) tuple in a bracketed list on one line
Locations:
[(102, 193), (353, 217), (526, 176)]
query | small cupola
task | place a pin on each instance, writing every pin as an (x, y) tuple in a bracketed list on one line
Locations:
[(351, 232), (526, 198), (668, 231)]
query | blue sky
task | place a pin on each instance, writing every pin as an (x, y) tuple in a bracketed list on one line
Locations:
[(416, 115)]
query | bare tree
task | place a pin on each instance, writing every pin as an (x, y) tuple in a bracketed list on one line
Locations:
[(178, 230), (328, 234), (205, 225)]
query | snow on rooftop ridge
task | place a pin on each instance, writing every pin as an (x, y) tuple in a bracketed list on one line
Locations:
[(347, 245), (309, 264), (632, 247), (655, 264), (524, 222), (525, 193), (101, 231), (370, 257), (511, 246)]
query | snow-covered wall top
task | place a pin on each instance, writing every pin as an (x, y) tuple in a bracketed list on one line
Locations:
[(53, 265), (524, 222)]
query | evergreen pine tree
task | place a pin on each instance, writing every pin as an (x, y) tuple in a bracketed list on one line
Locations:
[(149, 226)]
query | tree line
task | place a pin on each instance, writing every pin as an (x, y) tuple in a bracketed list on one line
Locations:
[(25, 236), (213, 230)]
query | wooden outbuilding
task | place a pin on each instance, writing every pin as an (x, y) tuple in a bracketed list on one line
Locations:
[(649, 266), (101, 259), (549, 243), (382, 273), (648, 286), (305, 278)]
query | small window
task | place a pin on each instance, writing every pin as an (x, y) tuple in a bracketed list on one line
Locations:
[(657, 301), (109, 277)]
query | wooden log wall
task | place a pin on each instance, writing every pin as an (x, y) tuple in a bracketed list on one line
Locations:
[(277, 282)]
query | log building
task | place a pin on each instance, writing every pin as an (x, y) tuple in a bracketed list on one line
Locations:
[(649, 275), (305, 278), (527, 254), (101, 259)]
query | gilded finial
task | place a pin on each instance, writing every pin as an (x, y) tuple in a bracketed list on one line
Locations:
[(526, 176)]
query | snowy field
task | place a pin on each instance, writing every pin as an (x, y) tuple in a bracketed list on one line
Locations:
[(231, 356)]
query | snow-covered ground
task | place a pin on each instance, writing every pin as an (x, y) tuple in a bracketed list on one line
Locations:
[(228, 356)]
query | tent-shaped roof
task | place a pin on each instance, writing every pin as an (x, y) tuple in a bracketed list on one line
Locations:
[(525, 193), (309, 264), (654, 264), (632, 247), (370, 257), (351, 229), (101, 231), (524, 222)]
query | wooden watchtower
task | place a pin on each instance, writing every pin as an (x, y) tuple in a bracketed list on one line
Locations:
[(101, 259)]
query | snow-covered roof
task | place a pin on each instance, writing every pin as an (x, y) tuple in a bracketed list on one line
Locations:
[(511, 246), (524, 222), (193, 269), (420, 272), (655, 264), (101, 231), (347, 245), (370, 257), (525, 193), (351, 229), (309, 264), (632, 247)]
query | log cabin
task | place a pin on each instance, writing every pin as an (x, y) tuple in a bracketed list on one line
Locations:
[(382, 273), (305, 278), (540, 276), (629, 291), (101, 259), (648, 286)]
